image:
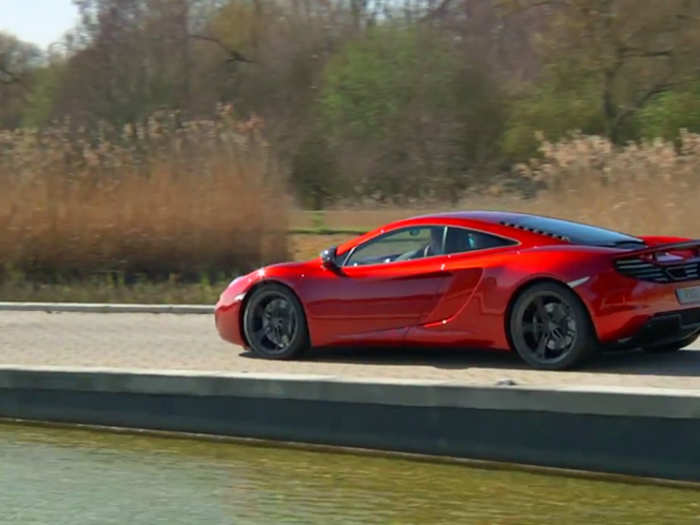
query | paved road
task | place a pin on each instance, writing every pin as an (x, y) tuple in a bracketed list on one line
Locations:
[(190, 342)]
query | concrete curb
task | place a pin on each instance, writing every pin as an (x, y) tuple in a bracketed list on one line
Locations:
[(107, 308), (599, 401), (652, 433), (640, 432)]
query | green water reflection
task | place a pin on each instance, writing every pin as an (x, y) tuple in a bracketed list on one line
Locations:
[(61, 476)]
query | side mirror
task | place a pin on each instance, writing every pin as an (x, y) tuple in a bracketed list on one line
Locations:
[(328, 258)]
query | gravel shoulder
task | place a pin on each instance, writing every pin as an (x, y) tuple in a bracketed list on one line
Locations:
[(168, 341)]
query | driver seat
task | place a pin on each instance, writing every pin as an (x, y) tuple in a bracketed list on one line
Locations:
[(458, 240)]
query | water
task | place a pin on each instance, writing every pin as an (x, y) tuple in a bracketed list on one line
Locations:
[(66, 476)]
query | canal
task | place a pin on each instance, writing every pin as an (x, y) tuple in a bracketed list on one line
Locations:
[(73, 476)]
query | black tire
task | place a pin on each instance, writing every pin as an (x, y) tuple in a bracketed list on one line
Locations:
[(670, 347), (274, 323), (549, 327)]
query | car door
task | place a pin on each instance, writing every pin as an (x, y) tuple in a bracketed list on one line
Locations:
[(468, 253), (384, 286)]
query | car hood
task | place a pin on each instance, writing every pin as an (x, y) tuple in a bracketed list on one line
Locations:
[(290, 267), (281, 271)]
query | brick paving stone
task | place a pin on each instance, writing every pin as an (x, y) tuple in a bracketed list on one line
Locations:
[(168, 341)]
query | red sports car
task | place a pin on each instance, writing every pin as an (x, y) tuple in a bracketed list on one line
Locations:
[(552, 290)]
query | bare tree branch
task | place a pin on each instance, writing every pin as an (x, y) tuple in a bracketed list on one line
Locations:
[(439, 11), (7, 77), (640, 53), (656, 89), (692, 18), (519, 6), (233, 55)]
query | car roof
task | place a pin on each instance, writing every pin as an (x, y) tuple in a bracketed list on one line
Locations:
[(527, 229), (493, 217), (552, 227), (495, 222)]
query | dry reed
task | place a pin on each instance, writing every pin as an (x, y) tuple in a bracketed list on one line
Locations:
[(165, 198), (648, 188), (197, 198)]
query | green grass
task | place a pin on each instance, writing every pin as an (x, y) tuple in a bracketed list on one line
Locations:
[(100, 290), (114, 288), (325, 231)]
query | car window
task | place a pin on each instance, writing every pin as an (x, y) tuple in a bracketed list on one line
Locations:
[(400, 245), (460, 240)]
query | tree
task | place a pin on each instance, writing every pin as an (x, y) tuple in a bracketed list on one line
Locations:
[(18, 60), (563, 100), (130, 58), (425, 116), (672, 111), (632, 51), (38, 108)]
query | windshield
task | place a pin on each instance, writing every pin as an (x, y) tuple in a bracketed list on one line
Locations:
[(575, 232)]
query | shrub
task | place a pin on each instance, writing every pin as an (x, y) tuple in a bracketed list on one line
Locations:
[(409, 114), (672, 111)]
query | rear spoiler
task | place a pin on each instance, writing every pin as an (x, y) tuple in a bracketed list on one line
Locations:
[(634, 264), (666, 247)]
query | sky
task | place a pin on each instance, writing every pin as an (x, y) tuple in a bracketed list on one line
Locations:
[(37, 21)]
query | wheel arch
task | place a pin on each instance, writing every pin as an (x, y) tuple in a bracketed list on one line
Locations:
[(262, 284), (523, 287)]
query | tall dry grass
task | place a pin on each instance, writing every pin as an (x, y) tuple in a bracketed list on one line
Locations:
[(185, 199), (165, 198), (647, 188)]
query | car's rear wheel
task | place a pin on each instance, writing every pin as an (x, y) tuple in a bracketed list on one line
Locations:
[(670, 347), (550, 328), (274, 324)]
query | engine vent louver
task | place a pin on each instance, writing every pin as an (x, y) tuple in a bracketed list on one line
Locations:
[(648, 271), (535, 230)]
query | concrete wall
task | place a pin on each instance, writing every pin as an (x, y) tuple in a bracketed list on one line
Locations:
[(654, 433)]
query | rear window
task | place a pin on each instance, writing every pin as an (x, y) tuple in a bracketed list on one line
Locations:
[(460, 240), (574, 232)]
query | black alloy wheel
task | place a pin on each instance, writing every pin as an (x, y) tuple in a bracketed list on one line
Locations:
[(550, 328), (274, 324)]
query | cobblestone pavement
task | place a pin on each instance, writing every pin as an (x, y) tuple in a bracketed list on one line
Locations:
[(167, 341)]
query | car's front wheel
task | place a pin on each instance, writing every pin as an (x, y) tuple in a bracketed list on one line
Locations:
[(274, 324), (550, 328)]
